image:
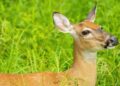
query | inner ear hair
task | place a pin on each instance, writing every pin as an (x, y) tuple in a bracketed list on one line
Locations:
[(91, 16)]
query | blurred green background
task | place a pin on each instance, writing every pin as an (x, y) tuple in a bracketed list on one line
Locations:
[(30, 43)]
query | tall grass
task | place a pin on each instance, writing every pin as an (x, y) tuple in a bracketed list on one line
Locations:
[(30, 43)]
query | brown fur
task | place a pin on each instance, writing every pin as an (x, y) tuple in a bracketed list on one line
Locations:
[(91, 25)]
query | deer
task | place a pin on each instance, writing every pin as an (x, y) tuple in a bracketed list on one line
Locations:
[(88, 39)]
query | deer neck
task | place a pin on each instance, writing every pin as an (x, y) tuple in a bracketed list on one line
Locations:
[(84, 65), (82, 56)]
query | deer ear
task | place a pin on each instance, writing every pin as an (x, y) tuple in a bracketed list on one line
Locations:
[(62, 23), (91, 16)]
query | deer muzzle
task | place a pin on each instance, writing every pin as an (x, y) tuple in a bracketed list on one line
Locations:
[(111, 42)]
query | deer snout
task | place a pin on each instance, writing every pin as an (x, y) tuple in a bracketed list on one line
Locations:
[(111, 42)]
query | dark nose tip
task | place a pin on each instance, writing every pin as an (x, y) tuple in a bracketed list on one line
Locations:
[(113, 40)]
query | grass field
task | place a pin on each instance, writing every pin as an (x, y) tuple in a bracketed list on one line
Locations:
[(30, 43)]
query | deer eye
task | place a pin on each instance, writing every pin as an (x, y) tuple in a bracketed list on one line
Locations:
[(86, 32)]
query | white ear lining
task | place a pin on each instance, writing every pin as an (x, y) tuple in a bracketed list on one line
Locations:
[(64, 20), (92, 15), (61, 22), (64, 25), (73, 32)]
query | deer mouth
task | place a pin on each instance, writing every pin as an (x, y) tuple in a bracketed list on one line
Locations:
[(109, 46)]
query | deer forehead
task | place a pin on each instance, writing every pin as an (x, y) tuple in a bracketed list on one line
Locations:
[(91, 25), (86, 24)]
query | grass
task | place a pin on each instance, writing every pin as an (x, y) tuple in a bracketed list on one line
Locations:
[(29, 42)]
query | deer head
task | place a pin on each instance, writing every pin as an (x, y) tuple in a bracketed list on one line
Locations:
[(88, 35)]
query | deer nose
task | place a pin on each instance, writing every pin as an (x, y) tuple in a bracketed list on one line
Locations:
[(113, 40)]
